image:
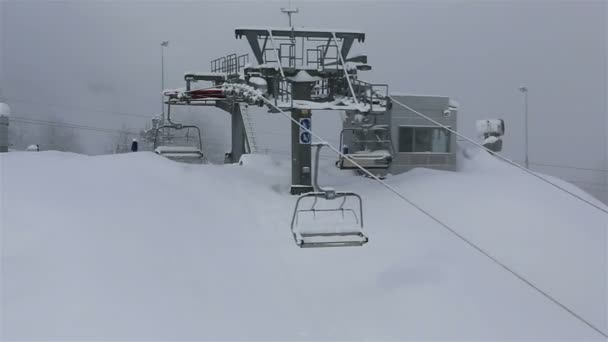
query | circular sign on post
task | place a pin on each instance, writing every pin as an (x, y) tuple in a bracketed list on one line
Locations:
[(305, 136)]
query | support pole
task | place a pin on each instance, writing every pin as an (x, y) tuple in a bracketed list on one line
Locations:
[(301, 166), (237, 130), (524, 90), (238, 133)]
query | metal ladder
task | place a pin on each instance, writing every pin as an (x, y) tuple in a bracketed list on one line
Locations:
[(249, 129)]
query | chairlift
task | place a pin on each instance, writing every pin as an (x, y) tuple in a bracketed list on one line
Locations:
[(375, 154), (165, 142), (322, 223)]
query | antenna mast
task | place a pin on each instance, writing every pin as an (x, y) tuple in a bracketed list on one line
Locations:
[(289, 11)]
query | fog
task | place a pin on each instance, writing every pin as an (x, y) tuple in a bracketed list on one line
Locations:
[(97, 63)]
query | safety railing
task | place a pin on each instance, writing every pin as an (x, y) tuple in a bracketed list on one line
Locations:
[(230, 64), (375, 95)]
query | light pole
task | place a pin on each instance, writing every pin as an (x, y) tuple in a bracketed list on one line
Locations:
[(163, 45), (524, 90)]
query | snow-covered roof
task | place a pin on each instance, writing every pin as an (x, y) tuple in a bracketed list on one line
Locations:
[(5, 110), (278, 31), (452, 103), (275, 66)]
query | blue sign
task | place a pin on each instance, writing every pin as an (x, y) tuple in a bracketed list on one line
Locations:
[(305, 136)]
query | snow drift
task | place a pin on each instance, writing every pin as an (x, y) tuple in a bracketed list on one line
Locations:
[(135, 246)]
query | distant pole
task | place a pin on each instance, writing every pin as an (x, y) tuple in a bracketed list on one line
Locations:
[(163, 45), (524, 90), (5, 112)]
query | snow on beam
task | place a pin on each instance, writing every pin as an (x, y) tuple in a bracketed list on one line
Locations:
[(205, 76), (300, 32)]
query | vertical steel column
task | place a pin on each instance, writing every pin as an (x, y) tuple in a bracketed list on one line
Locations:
[(238, 133), (300, 156), (300, 146)]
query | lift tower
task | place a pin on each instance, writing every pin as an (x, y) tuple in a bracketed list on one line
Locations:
[(298, 70), (306, 70)]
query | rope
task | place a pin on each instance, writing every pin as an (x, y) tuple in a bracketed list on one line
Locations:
[(444, 225), (570, 167), (276, 53), (350, 85), (499, 156)]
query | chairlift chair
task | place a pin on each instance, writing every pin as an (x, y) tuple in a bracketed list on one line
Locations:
[(318, 225), (378, 158), (166, 147)]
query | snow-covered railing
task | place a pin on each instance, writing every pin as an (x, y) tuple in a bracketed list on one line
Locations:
[(230, 64), (375, 95)]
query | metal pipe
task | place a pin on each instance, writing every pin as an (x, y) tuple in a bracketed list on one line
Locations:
[(352, 91), (162, 79), (315, 184), (524, 90)]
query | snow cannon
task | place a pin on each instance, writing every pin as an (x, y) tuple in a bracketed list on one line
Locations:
[(488, 127), (33, 148), (491, 130)]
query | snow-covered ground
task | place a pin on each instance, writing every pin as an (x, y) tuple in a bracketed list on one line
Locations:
[(135, 246)]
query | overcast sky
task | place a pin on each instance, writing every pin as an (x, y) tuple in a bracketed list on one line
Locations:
[(81, 60)]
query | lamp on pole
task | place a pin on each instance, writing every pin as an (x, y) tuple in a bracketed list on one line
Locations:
[(163, 45), (524, 90)]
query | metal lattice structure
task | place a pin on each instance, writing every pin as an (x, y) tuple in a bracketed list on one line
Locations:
[(298, 70)]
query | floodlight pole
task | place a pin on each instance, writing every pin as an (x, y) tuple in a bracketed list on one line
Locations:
[(524, 90), (163, 45)]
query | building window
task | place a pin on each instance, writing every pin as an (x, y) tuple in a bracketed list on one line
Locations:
[(424, 139)]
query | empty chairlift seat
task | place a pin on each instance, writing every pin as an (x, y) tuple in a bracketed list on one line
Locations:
[(379, 159), (170, 143), (323, 224), (326, 217), (369, 147), (184, 154)]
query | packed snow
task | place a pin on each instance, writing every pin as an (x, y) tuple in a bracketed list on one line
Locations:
[(490, 140), (138, 247)]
